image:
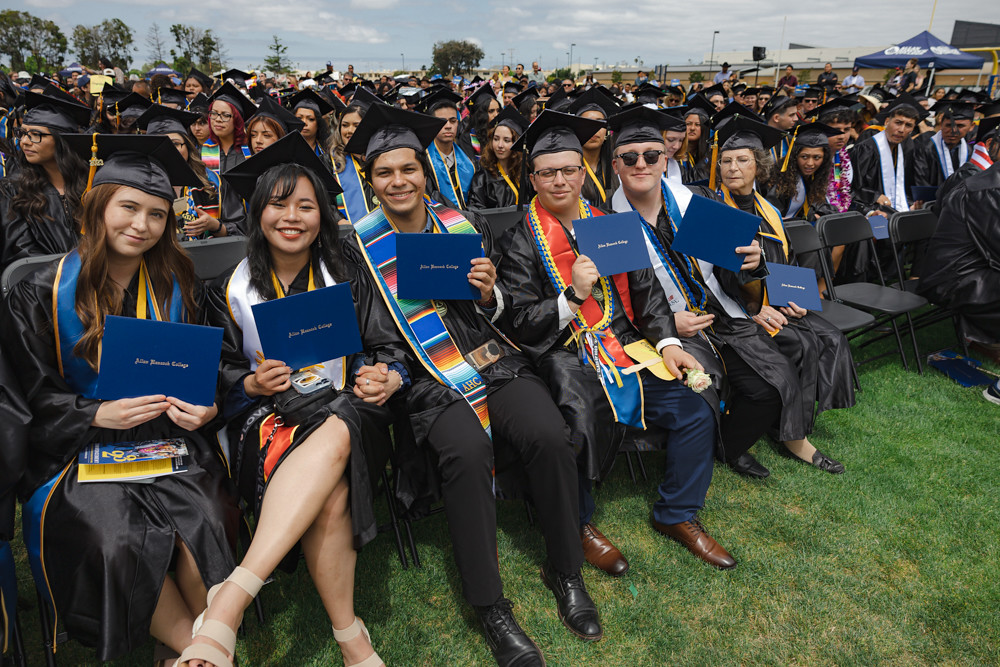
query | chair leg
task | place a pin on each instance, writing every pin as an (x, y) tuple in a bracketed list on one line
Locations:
[(642, 466), (45, 619), (530, 513), (854, 374), (413, 542), (259, 608), (394, 520), (18, 657), (916, 348), (631, 470), (899, 344)]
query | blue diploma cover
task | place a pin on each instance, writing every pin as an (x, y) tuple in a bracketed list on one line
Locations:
[(309, 328), (436, 266), (923, 192), (792, 283), (711, 231), (880, 226), (615, 243), (149, 357)]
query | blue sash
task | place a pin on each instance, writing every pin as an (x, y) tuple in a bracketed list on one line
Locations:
[(69, 329), (464, 168), (355, 202)]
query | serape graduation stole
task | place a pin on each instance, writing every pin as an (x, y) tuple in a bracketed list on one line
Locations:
[(772, 227), (474, 140), (464, 170), (418, 320), (591, 326), (211, 157), (352, 204), (68, 328)]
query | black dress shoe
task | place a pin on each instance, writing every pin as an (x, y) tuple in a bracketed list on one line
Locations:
[(748, 466), (577, 610), (510, 645), (824, 462)]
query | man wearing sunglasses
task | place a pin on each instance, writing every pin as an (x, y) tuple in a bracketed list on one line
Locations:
[(575, 326)]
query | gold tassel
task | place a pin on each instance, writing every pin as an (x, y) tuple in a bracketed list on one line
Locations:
[(715, 161), (784, 166), (94, 164)]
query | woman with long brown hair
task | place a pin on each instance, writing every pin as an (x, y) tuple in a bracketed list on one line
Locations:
[(798, 189), (496, 183), (105, 548)]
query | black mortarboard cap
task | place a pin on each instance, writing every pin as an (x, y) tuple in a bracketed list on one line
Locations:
[(510, 118), (164, 95), (324, 79), (348, 90), (230, 93), (531, 92), (271, 109), (111, 94), (481, 95), (385, 128), (777, 104), (594, 100), (814, 135), (199, 103), (309, 99), (39, 82), (640, 124), (812, 92), (734, 109), (512, 87), (958, 110), (54, 112), (442, 98), (476, 80), (146, 162), (239, 76), (740, 131), (364, 98), (991, 109), (845, 103), (332, 99), (159, 119), (647, 93), (290, 149), (559, 101), (987, 126), (699, 103), (717, 89), (557, 132), (904, 100), (131, 106), (202, 78)]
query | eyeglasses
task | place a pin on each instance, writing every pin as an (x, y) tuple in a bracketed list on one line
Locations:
[(178, 144), (34, 136), (631, 158), (547, 175), (220, 115), (742, 161)]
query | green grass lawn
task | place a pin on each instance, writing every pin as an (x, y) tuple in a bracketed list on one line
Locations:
[(893, 563)]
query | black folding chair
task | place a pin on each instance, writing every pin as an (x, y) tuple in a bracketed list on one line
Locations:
[(502, 219), (909, 231), (215, 257), (22, 269), (886, 303)]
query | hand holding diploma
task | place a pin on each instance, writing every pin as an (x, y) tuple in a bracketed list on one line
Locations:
[(483, 276), (752, 259), (585, 275), (190, 417), (126, 413)]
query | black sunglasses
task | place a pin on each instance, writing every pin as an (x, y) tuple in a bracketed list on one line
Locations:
[(649, 157)]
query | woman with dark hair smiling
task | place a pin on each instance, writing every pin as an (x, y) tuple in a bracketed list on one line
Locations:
[(496, 182), (310, 480), (106, 548), (38, 202), (311, 110)]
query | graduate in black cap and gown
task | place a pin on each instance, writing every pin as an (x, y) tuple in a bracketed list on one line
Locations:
[(38, 203), (463, 413), (937, 158), (270, 122), (482, 107), (104, 549), (227, 147), (600, 183), (357, 199), (582, 330), (497, 182), (798, 188), (310, 108), (883, 162), (452, 168)]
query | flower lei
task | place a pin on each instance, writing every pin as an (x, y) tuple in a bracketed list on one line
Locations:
[(838, 190)]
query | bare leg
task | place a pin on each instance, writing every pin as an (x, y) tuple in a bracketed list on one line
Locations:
[(296, 495), (189, 581), (172, 619), (328, 546)]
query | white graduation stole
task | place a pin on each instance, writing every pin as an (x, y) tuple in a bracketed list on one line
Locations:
[(893, 184), (242, 297), (674, 171), (944, 155)]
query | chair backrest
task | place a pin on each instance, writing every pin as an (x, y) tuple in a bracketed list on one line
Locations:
[(501, 219), (23, 268), (803, 238), (910, 226), (844, 229), (215, 257)]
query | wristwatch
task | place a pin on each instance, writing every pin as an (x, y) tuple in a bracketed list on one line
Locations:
[(570, 295)]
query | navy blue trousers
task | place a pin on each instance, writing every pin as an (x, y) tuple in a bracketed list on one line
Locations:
[(690, 445)]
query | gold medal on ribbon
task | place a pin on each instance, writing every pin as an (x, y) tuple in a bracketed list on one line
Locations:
[(441, 307)]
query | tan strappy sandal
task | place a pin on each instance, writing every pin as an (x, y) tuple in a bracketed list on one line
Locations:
[(352, 631), (217, 631)]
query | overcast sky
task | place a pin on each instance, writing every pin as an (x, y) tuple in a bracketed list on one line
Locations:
[(381, 33)]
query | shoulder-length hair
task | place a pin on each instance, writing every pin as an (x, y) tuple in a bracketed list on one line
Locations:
[(764, 167), (29, 199), (96, 295), (337, 142), (489, 161), (785, 183), (239, 128), (271, 124), (277, 184)]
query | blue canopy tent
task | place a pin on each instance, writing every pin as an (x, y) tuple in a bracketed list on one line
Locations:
[(931, 53), (162, 68), (72, 67)]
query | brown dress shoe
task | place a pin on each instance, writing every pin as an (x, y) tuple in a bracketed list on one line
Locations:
[(693, 536), (601, 553)]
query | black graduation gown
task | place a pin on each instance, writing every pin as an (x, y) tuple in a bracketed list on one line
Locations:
[(819, 350), (606, 176), (695, 170), (532, 320), (968, 169), (866, 187), (15, 416), (445, 195), (23, 236), (108, 546), (927, 165), (232, 213), (961, 269), (367, 423), (782, 202), (489, 191), (418, 407)]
